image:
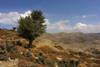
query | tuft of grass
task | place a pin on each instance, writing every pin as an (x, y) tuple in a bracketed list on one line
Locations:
[(46, 50), (26, 63)]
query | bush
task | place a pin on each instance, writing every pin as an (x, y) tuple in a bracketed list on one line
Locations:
[(19, 43), (10, 47), (50, 63), (4, 55), (40, 54), (71, 63), (41, 61), (47, 63)]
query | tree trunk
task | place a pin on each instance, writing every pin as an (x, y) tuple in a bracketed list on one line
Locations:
[(30, 43)]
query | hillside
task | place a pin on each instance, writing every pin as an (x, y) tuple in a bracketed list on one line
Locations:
[(95, 36), (75, 41), (49, 50)]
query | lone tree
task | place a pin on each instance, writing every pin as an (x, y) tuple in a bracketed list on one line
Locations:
[(14, 28), (31, 26)]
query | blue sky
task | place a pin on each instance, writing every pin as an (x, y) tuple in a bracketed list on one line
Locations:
[(60, 15)]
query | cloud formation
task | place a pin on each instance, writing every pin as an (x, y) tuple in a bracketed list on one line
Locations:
[(84, 16), (11, 17), (60, 26), (25, 14)]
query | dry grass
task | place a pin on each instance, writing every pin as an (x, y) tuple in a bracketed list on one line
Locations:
[(49, 53), (14, 55), (25, 63), (21, 49), (46, 49), (78, 53), (59, 47)]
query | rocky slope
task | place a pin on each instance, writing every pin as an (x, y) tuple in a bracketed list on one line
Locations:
[(50, 50)]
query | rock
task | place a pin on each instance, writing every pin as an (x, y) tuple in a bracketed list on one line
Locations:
[(82, 65), (3, 37), (10, 63), (59, 59)]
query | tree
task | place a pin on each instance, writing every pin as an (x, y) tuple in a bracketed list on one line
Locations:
[(31, 26), (14, 28)]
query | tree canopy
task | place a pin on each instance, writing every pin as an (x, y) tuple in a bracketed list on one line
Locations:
[(31, 26)]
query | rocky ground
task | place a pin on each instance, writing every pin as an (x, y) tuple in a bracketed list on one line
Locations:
[(49, 50)]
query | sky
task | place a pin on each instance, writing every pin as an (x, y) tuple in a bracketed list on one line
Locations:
[(60, 15)]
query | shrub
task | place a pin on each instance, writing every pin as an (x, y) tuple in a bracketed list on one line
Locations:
[(71, 63), (19, 43), (41, 61), (50, 63), (4, 55), (40, 54), (47, 63), (32, 59), (11, 47)]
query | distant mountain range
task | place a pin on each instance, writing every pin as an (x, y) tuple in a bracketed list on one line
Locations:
[(68, 38)]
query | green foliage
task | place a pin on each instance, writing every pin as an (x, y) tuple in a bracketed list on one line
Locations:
[(71, 63), (4, 55), (45, 62), (10, 47), (41, 61), (50, 63), (31, 26), (40, 54), (14, 28)]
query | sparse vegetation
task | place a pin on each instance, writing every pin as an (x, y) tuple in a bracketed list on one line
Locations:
[(71, 63), (4, 55), (45, 55)]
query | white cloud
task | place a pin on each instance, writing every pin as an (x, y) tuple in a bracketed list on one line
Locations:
[(57, 26), (79, 27), (26, 13), (60, 26), (11, 17), (47, 21), (84, 16)]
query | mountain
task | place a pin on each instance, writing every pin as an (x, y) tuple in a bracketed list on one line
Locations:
[(95, 36), (68, 38)]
